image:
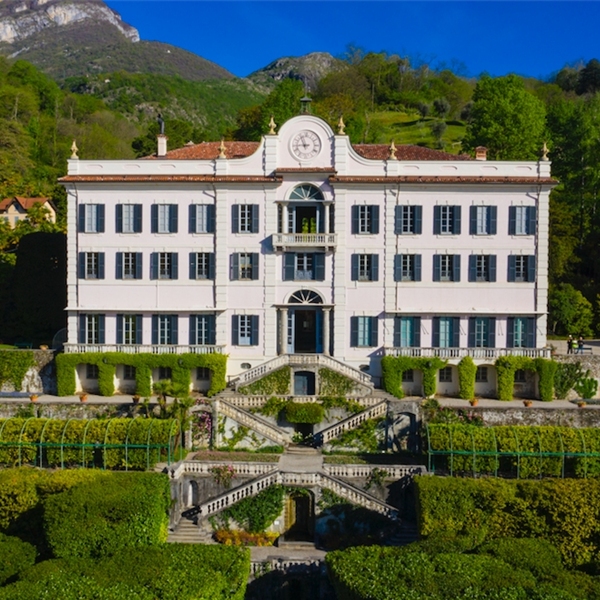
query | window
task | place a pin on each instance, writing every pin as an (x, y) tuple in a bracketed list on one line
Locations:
[(164, 373), (446, 267), (91, 218), (482, 332), (203, 373), (363, 332), (408, 376), (446, 220), (202, 218), (408, 220), (522, 220), (129, 373), (244, 218), (244, 266), (129, 329), (129, 265), (407, 267), (365, 219), (164, 265), (365, 267), (521, 332), (303, 266), (521, 268), (129, 218), (202, 265), (165, 329), (245, 330), (407, 332), (202, 330), (91, 329), (481, 375), (91, 372), (482, 267), (483, 220), (446, 332), (445, 375), (91, 265), (520, 376), (164, 218)]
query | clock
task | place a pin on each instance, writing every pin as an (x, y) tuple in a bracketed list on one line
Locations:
[(306, 144)]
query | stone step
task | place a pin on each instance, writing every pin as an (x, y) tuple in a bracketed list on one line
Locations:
[(306, 450), (295, 545)]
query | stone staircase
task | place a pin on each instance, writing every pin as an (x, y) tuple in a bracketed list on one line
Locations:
[(188, 532), (407, 533)]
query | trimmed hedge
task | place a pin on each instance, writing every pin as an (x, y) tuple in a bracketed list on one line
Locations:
[(125, 510), (14, 365), (15, 557), (276, 383), (304, 412), (466, 378), (505, 370), (180, 365), (393, 367)]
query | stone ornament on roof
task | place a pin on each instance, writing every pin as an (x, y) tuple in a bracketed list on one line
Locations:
[(272, 126), (341, 126), (545, 152), (74, 150), (392, 155), (222, 149)]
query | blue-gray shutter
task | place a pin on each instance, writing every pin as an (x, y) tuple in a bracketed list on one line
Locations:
[(373, 337), (319, 266), (417, 267), (456, 220), (235, 330), (471, 337), (100, 274), (255, 217), (254, 261), (289, 266), (193, 264), (456, 332), (210, 218), (193, 337), (139, 333), (155, 329), (416, 341), (119, 329), (235, 218), (512, 220), (137, 218), (174, 265), (119, 218), (473, 220), (82, 328), (81, 219), (531, 220), (492, 220), (173, 218), (212, 330), (81, 265), (211, 265), (512, 269), (154, 218), (355, 219), (492, 265), (472, 267), (119, 265), (417, 219), (374, 275), (398, 220), (398, 267), (192, 218), (234, 266), (491, 332), (437, 220), (174, 329), (435, 333), (353, 332), (354, 267), (101, 337), (254, 330), (531, 268), (531, 331), (154, 267), (139, 263), (374, 218), (397, 332), (510, 332), (100, 218), (456, 267), (437, 259)]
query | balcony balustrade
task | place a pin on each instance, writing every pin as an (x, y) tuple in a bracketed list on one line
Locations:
[(476, 353), (282, 241), (143, 348)]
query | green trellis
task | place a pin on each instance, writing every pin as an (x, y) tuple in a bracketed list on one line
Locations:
[(514, 451), (117, 443)]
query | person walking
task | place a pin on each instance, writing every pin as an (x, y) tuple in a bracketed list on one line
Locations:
[(580, 345), (570, 343)]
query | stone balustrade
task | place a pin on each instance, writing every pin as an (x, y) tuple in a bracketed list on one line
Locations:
[(364, 471), (246, 469), (352, 422), (476, 353), (142, 348)]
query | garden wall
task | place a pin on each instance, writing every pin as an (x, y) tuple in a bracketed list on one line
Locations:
[(39, 379), (575, 417)]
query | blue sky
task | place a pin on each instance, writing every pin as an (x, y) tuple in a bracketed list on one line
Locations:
[(529, 38)]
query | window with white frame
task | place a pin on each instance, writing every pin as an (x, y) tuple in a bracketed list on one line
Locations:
[(202, 218), (521, 267), (202, 330), (164, 218), (407, 267), (304, 266), (365, 267), (245, 330), (446, 267), (446, 220), (446, 332), (363, 332), (408, 220), (93, 323), (91, 265), (202, 265), (521, 215), (245, 218), (91, 218), (128, 218), (165, 265), (130, 329), (519, 332), (445, 375), (245, 263), (481, 375), (165, 329), (482, 267), (129, 372), (130, 266)]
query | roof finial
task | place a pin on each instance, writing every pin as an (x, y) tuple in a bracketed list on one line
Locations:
[(341, 126), (544, 152), (392, 155), (74, 150), (272, 126), (222, 149)]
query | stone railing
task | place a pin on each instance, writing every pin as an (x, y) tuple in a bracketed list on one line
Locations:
[(261, 370), (363, 471), (246, 469), (298, 240), (255, 423), (276, 563), (143, 348), (260, 401), (352, 422), (458, 353)]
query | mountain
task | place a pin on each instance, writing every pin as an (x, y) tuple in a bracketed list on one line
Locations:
[(67, 38)]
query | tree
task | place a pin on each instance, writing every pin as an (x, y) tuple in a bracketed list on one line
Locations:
[(506, 119), (589, 78), (570, 311)]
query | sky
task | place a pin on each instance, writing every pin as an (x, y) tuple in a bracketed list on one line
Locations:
[(534, 38)]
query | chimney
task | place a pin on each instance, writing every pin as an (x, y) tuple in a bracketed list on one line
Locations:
[(481, 153), (162, 145)]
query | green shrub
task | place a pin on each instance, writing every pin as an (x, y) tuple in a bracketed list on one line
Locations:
[(586, 387), (126, 510), (14, 365), (276, 383), (256, 513), (392, 368), (367, 437), (332, 383), (466, 378), (546, 370), (565, 378), (15, 557), (304, 412)]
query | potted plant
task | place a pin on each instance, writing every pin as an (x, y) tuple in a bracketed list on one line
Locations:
[(581, 403), (136, 398), (527, 402), (474, 401), (83, 397), (33, 397)]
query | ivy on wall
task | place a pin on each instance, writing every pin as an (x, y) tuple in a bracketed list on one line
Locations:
[(334, 384), (180, 365), (367, 437), (275, 383), (304, 412), (466, 378), (393, 367), (14, 365), (507, 365)]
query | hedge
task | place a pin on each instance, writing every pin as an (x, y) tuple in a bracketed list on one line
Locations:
[(15, 557), (180, 365), (466, 378), (103, 516), (304, 412), (524, 450), (507, 365), (14, 365), (109, 443), (393, 367), (276, 383), (564, 512)]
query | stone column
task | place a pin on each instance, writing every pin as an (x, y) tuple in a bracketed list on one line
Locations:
[(326, 217), (326, 344), (283, 330)]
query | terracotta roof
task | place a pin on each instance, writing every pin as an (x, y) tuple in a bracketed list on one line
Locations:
[(405, 152), (443, 179), (26, 203), (210, 151)]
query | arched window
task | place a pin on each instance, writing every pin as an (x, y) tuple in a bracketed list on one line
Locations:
[(306, 191), (305, 297)]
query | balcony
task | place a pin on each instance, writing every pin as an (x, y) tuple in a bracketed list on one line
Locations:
[(142, 349), (476, 353), (284, 241)]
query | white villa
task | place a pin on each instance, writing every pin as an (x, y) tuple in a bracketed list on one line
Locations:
[(304, 245)]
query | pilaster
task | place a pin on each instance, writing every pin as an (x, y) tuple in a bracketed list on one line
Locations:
[(341, 323)]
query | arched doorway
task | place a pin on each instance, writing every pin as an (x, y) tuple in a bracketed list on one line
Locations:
[(299, 516), (305, 210), (305, 323)]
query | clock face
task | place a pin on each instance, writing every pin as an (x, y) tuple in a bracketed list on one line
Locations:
[(306, 144)]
